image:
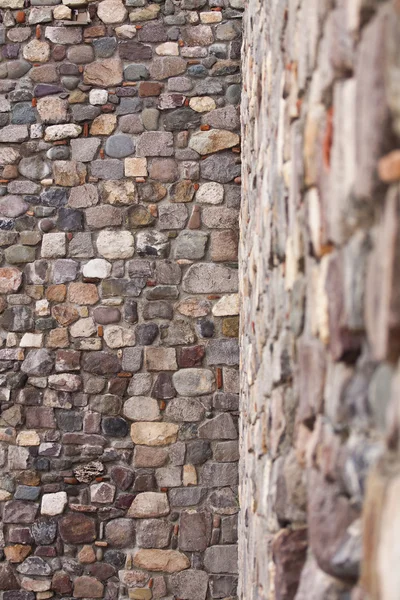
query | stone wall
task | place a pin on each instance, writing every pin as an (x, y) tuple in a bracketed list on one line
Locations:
[(119, 202), (320, 287)]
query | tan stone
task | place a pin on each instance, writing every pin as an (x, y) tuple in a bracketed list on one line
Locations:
[(389, 167), (104, 73), (202, 103), (69, 173), (189, 475), (103, 125), (83, 293), (169, 561), (226, 306), (160, 359), (17, 553), (58, 338), (28, 438), (149, 504), (207, 142), (120, 192), (136, 167), (144, 14), (87, 555), (154, 434)]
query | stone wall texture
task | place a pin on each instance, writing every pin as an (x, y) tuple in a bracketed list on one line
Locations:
[(320, 291), (119, 204)]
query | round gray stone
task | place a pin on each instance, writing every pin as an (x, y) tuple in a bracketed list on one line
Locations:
[(119, 146)]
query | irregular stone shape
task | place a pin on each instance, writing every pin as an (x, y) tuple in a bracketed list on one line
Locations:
[(149, 504), (172, 216), (10, 279), (34, 565), (152, 243), (76, 528), (190, 584), (169, 561), (223, 352), (141, 408), (60, 132), (222, 168), (8, 580), (133, 51), (185, 409), (193, 382), (86, 586), (111, 11), (167, 66), (101, 363), (221, 427), (115, 245), (221, 559), (84, 150), (153, 533), (17, 511), (191, 245), (119, 192), (104, 73), (38, 362), (106, 315), (219, 474), (214, 140), (210, 193), (103, 125), (155, 143), (53, 504), (194, 531), (102, 493), (205, 278), (120, 533), (154, 434)]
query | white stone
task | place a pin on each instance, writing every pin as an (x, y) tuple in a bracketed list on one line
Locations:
[(36, 131), (168, 49), (97, 268), (115, 244), (136, 167), (37, 51), (42, 308), (210, 193), (54, 245), (111, 11), (54, 504), (226, 306), (83, 328), (31, 340), (54, 133), (118, 337), (5, 105), (98, 97), (126, 32), (202, 104), (62, 12)]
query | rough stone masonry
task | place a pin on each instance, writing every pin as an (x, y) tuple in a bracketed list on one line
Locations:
[(119, 203), (320, 287)]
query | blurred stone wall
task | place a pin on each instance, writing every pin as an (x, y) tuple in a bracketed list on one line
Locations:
[(320, 291), (119, 204)]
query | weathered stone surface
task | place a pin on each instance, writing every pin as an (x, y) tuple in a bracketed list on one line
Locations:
[(190, 584), (154, 434), (77, 529), (169, 561), (104, 73), (208, 278), (149, 504)]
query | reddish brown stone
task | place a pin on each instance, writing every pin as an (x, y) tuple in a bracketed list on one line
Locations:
[(87, 587), (190, 356), (83, 293), (65, 314), (77, 529), (149, 88), (61, 583), (289, 552)]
